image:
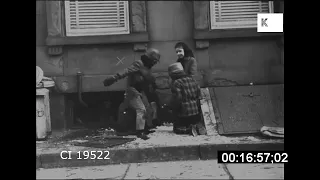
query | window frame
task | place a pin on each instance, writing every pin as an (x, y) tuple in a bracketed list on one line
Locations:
[(56, 31), (96, 32), (203, 33), (225, 25)]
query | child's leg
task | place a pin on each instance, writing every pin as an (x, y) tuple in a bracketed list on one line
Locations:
[(187, 121)]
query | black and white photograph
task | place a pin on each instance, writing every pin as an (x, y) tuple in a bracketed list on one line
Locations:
[(160, 90)]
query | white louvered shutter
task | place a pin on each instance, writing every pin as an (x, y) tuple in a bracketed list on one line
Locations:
[(237, 14), (88, 18)]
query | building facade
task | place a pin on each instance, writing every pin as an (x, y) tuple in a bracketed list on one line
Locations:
[(100, 38)]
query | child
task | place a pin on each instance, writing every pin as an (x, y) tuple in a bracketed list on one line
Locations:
[(185, 100), (186, 58), (139, 77)]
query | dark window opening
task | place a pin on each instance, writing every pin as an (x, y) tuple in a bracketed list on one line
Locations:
[(102, 110)]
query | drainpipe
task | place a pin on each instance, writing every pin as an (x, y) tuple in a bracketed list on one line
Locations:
[(79, 81)]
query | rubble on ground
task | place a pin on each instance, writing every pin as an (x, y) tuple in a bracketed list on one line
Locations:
[(163, 136)]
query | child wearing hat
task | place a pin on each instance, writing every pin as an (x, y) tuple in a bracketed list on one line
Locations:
[(186, 94), (139, 78)]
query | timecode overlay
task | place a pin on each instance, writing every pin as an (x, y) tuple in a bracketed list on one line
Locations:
[(252, 157)]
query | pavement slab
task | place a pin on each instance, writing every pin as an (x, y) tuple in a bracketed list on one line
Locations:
[(256, 171), (209, 169), (195, 169), (177, 170), (90, 172)]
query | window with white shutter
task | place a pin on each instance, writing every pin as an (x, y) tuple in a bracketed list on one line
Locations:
[(89, 18), (237, 14)]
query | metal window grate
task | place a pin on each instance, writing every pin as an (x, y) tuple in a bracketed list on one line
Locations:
[(237, 14), (87, 18)]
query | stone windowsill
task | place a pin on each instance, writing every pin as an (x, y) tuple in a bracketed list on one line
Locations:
[(108, 39), (236, 33)]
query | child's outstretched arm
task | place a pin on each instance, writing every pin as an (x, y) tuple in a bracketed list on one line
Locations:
[(135, 66)]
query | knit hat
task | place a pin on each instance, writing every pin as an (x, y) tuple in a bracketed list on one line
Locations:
[(153, 54), (175, 68)]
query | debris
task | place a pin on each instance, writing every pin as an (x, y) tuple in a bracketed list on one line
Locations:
[(163, 136), (273, 131), (168, 124), (39, 75), (79, 141), (109, 132), (42, 81)]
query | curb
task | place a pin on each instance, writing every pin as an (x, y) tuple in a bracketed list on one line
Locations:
[(156, 154)]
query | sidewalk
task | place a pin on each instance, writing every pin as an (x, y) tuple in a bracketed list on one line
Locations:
[(163, 145), (208, 169)]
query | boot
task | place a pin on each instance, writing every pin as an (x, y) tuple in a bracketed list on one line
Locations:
[(201, 129), (148, 130), (193, 130), (141, 134)]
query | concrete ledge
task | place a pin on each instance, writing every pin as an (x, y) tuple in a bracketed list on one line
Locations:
[(156, 154)]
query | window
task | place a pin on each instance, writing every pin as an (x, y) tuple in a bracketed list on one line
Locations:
[(237, 14), (89, 18)]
